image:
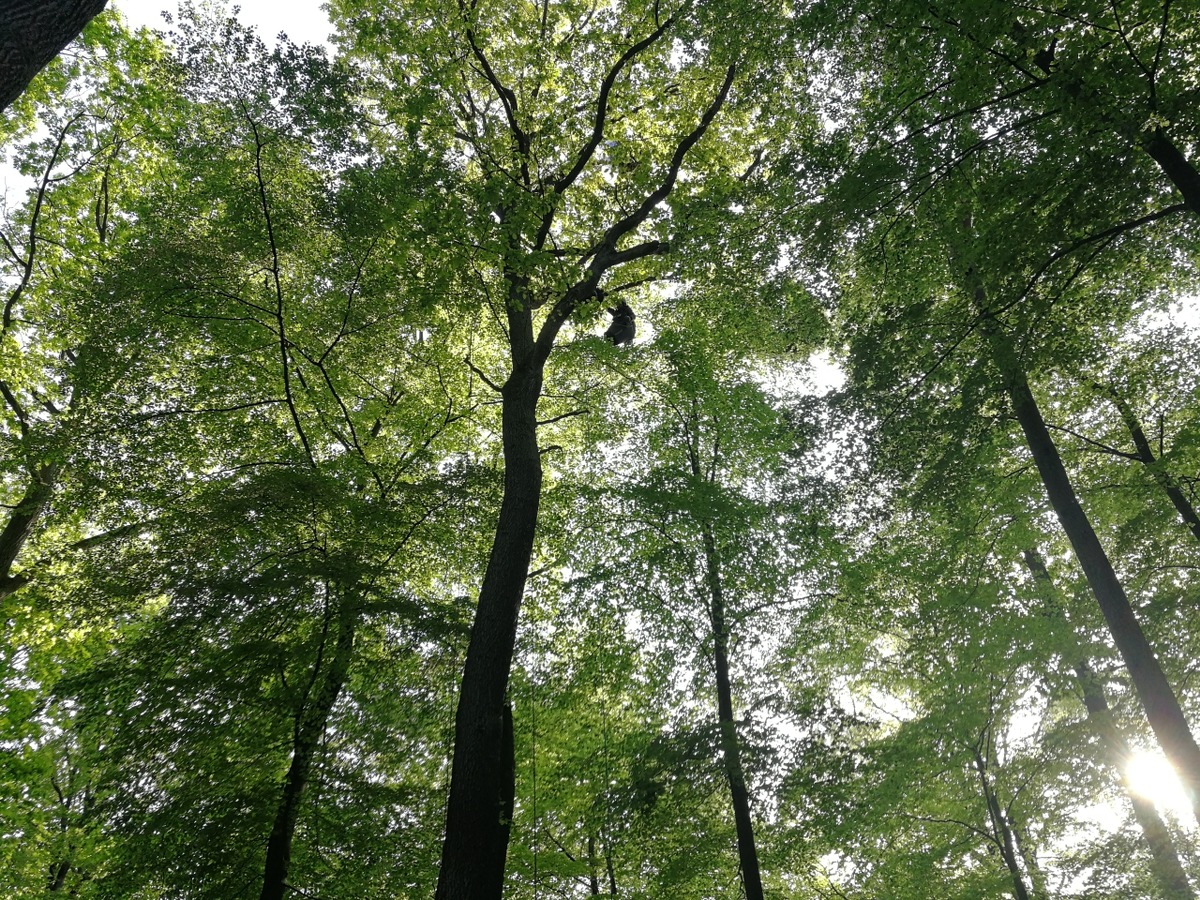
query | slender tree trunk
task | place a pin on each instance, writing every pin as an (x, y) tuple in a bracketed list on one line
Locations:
[(1000, 829), (477, 824), (1154, 691), (593, 872), (1164, 859), (1175, 166), (1145, 454), (306, 737), (32, 32), (731, 753), (1037, 879), (730, 747)]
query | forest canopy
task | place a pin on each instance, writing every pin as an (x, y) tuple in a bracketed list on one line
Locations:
[(631, 448)]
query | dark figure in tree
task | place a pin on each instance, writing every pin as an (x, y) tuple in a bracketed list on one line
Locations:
[(1044, 59), (622, 329)]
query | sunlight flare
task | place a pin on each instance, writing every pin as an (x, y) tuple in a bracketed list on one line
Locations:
[(1151, 776)]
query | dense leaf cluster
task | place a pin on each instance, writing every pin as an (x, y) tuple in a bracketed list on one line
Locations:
[(340, 556)]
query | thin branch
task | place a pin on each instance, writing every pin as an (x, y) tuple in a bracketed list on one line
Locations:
[(508, 99), (605, 254), (602, 104), (284, 356), (480, 373), (577, 412), (608, 244), (31, 249), (15, 405), (1112, 451), (1158, 50)]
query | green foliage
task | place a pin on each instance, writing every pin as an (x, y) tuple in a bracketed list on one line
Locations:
[(257, 305)]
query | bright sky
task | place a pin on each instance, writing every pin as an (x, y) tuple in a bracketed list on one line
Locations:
[(303, 20)]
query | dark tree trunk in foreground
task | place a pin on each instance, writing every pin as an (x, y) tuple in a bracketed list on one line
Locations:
[(1154, 691), (21, 523), (1165, 862), (479, 807), (1175, 166), (32, 32), (1146, 456), (481, 785), (730, 748), (310, 725)]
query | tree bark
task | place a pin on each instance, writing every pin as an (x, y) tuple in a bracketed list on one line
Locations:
[(310, 725), (33, 32), (1154, 691), (610, 867), (1145, 454), (481, 777), (481, 782), (1164, 859), (1175, 166), (593, 873), (731, 753), (20, 525)]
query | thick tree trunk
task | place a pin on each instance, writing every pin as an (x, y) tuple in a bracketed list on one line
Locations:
[(58, 875), (20, 525), (1000, 829), (1145, 454), (1155, 693), (730, 748), (481, 784), (32, 32), (1175, 166), (1165, 862), (310, 725)]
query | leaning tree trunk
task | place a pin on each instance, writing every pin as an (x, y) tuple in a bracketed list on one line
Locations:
[(481, 786), (1154, 691), (1164, 858), (21, 523), (1145, 455), (310, 725), (32, 32), (1175, 166)]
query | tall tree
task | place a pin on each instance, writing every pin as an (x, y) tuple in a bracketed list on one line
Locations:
[(571, 167), (1167, 867), (1159, 700)]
